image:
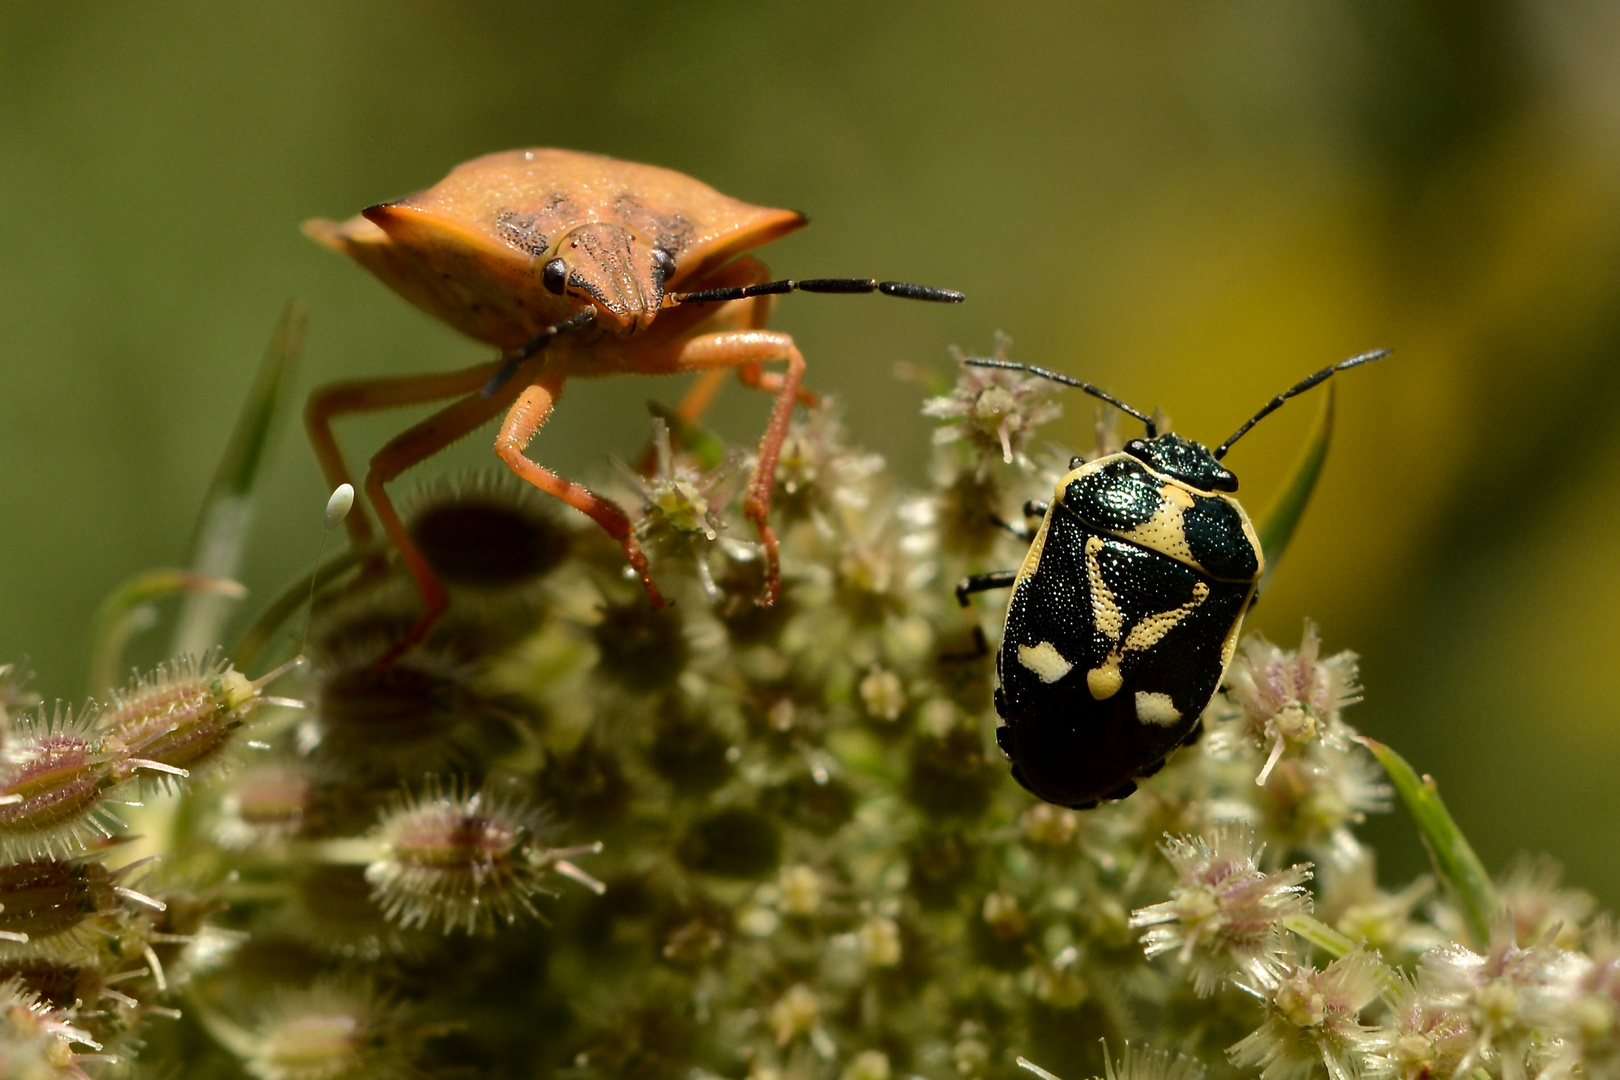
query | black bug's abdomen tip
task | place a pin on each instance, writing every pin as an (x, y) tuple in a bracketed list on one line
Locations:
[(1073, 757)]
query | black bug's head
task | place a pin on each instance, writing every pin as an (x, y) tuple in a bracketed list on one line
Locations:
[(1190, 462)]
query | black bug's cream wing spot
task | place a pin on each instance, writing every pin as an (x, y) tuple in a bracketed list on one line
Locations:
[(1108, 618), (1147, 633), (1156, 709), (1045, 661)]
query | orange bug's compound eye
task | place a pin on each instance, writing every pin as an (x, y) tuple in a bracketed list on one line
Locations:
[(554, 276), (664, 263)]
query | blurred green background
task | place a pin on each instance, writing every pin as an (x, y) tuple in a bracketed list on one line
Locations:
[(1191, 204)]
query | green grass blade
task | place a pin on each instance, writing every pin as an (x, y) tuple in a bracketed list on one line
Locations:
[(1281, 517), (222, 527), (1454, 860)]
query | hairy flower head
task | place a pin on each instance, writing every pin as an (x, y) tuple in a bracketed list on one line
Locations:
[(1292, 698), (1222, 911), (1506, 994), (1315, 1016), (993, 410)]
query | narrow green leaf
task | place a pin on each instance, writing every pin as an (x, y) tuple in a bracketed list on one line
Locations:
[(222, 526), (1454, 861), (1319, 933), (127, 610), (1281, 516)]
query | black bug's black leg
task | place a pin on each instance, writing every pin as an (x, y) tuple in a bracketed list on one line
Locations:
[(1034, 508), (1022, 533), (902, 289), (996, 579), (976, 583), (980, 650)]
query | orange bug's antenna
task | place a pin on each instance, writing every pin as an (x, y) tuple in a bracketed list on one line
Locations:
[(536, 343), (904, 290), (1298, 388), (1057, 377)]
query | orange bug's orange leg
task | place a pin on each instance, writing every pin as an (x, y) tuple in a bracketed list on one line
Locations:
[(371, 395), (528, 414), (755, 377), (744, 271), (416, 444), (748, 350)]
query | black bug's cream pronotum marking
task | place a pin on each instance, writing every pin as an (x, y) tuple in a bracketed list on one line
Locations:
[(1127, 608)]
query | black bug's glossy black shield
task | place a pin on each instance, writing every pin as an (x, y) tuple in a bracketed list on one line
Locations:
[(1111, 653)]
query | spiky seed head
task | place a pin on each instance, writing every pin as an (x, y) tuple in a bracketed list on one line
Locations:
[(265, 804), (53, 782), (181, 716), (331, 1031), (420, 714), (49, 906), (37, 1039), (469, 860), (487, 530)]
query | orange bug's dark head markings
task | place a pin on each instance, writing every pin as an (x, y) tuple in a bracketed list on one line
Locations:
[(613, 268)]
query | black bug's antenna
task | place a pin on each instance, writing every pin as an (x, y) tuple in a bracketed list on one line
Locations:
[(538, 342), (901, 289), (1298, 388), (1058, 377)]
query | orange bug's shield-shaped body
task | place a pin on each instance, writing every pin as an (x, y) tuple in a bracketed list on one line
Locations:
[(472, 250), (570, 264)]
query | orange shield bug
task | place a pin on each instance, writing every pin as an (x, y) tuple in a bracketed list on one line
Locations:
[(570, 264)]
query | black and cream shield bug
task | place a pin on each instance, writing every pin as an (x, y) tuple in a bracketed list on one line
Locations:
[(1127, 609)]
